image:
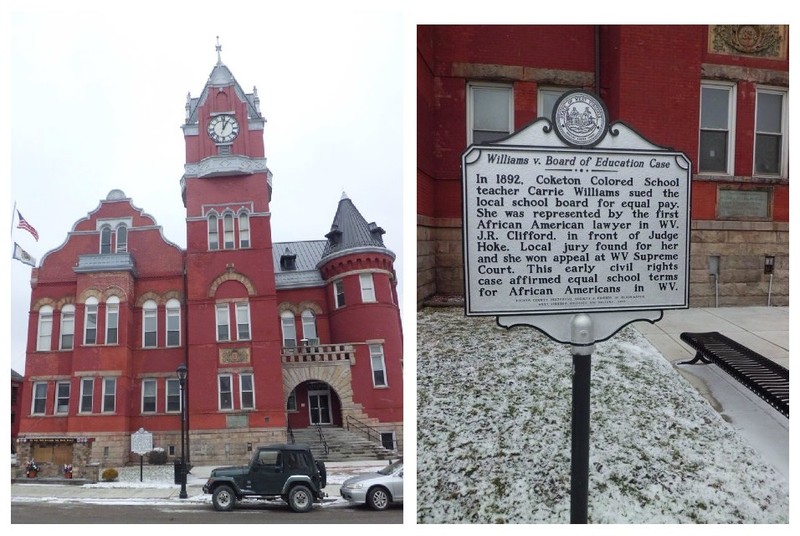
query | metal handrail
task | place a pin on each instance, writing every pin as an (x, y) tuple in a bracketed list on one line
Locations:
[(322, 439), (366, 429)]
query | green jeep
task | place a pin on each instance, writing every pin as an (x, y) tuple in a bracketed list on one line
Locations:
[(287, 472)]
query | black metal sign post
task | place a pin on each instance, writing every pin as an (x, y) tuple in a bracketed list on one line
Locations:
[(582, 348)]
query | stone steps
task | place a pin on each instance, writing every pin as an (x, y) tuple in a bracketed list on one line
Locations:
[(342, 445)]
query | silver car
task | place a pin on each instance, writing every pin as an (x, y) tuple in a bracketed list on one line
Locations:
[(378, 490)]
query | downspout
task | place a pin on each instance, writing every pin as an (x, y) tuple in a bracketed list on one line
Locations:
[(186, 360), (597, 60)]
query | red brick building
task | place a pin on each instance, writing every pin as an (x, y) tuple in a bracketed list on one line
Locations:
[(717, 93), (276, 336)]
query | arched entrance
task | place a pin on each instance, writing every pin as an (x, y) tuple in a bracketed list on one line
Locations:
[(313, 402)]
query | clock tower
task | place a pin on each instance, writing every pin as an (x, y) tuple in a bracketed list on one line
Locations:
[(233, 339)]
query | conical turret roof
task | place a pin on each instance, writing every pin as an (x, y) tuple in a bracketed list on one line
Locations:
[(350, 231)]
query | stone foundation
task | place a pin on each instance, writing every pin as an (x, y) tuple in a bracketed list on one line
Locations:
[(740, 245)]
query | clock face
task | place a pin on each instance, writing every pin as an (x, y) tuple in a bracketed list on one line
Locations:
[(223, 128)]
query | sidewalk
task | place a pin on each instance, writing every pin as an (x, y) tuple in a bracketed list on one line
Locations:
[(762, 329)]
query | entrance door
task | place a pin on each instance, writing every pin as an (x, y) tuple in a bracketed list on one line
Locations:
[(319, 404)]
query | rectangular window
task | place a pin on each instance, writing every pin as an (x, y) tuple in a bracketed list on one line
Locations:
[(223, 322), (109, 395), (716, 128), (770, 133), (39, 402), (87, 388), (378, 365), (288, 329), (243, 321), (45, 330), (173, 395), (227, 229), (148, 396), (291, 402), (338, 293), (490, 112), (367, 288), (173, 326), (150, 328), (112, 323), (62, 397), (547, 101), (225, 392), (67, 328), (246, 392), (244, 231), (90, 331)]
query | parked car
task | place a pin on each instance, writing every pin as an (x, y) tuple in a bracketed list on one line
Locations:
[(378, 490), (287, 472)]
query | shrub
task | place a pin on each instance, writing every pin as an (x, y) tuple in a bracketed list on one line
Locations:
[(109, 475), (157, 456)]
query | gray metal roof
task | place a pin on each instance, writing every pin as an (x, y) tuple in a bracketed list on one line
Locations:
[(307, 254), (350, 230)]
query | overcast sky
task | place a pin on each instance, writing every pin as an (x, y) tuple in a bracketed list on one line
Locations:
[(97, 105)]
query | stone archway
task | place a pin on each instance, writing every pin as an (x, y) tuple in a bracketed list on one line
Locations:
[(337, 375)]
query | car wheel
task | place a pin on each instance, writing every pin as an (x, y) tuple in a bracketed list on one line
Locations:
[(223, 499), (378, 498), (301, 499)]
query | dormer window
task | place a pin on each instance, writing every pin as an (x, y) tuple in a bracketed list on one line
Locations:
[(335, 236), (288, 260)]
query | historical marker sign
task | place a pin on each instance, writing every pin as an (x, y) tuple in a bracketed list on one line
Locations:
[(557, 228), (141, 442)]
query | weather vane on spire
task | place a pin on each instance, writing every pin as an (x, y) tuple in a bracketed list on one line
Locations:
[(219, 49)]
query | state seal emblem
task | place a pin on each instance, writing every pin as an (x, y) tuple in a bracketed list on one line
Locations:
[(580, 118)]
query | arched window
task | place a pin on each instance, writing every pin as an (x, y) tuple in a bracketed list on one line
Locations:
[(67, 327), (289, 330), (90, 320), (213, 232), (244, 230), (112, 320), (173, 323), (45, 331), (149, 324), (122, 238), (105, 239), (309, 328), (227, 228)]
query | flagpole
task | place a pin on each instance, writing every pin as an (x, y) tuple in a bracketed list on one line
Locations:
[(12, 217)]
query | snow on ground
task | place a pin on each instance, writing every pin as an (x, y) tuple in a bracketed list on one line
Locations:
[(494, 417)]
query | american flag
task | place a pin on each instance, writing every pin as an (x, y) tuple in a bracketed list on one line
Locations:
[(23, 224)]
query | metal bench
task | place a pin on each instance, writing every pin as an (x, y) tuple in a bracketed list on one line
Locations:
[(764, 377)]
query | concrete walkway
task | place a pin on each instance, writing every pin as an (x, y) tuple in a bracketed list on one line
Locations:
[(762, 329)]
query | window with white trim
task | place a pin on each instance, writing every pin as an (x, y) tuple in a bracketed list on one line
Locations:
[(288, 329), (367, 287), (45, 329), (149, 324), (247, 394), (378, 365), (173, 320), (223, 322), (546, 101), (87, 395), (225, 392), (62, 397), (173, 395), (770, 143), (67, 327), (112, 320), (39, 399), (90, 321), (109, 395), (227, 229), (717, 125), (105, 239), (338, 293), (149, 392), (213, 232), (490, 111), (244, 230), (243, 321), (309, 327), (122, 238)]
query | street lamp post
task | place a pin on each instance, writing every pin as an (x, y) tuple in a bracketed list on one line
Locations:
[(182, 373)]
